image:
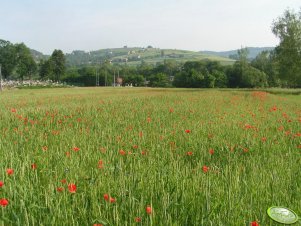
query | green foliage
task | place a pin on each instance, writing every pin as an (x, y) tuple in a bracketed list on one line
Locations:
[(288, 54), (201, 74), (159, 80), (8, 57), (16, 58), (57, 60), (26, 65)]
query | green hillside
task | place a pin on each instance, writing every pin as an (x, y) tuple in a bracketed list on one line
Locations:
[(134, 56)]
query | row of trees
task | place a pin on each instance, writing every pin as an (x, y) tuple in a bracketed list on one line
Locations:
[(16, 57), (16, 60), (280, 67)]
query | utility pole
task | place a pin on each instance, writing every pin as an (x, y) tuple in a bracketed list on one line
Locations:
[(97, 77), (114, 78), (0, 79)]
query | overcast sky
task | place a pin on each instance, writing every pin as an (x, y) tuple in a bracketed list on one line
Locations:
[(87, 25)]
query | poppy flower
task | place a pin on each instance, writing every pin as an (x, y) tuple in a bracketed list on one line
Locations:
[(138, 219), (13, 110), (1, 183), (76, 148), (187, 131), (122, 152), (97, 224), (149, 210), (112, 200), (10, 171), (254, 223), (72, 188), (60, 189), (189, 153), (205, 169), (63, 181), (106, 197), (3, 202), (100, 164), (211, 151), (33, 166)]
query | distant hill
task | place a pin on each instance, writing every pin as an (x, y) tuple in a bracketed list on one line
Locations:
[(38, 55), (135, 55), (253, 52)]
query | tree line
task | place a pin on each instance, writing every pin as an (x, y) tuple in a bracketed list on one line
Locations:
[(280, 67)]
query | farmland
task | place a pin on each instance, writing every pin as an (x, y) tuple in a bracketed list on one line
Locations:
[(142, 156)]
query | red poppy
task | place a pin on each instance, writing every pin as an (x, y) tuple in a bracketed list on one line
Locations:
[(263, 139), (60, 189), (205, 169), (138, 219), (33, 166), (76, 148), (122, 152), (63, 181), (100, 164), (97, 225), (135, 146), (44, 148), (1, 183), (187, 131), (211, 151), (149, 119), (112, 200), (72, 188), (9, 171), (3, 202), (254, 223), (171, 110), (106, 197), (189, 153), (13, 110), (149, 210)]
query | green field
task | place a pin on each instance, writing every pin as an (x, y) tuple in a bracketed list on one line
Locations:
[(85, 156)]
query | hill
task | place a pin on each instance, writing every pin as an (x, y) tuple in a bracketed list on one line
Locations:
[(253, 52), (135, 55), (37, 56)]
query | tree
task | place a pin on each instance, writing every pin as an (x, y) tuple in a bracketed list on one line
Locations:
[(58, 60), (265, 62), (45, 69), (26, 65), (8, 58), (288, 53)]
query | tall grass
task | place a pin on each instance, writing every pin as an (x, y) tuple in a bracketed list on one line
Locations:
[(195, 157)]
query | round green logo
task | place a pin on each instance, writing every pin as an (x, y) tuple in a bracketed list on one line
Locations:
[(282, 215)]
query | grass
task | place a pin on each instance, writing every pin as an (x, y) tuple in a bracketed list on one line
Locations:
[(148, 147)]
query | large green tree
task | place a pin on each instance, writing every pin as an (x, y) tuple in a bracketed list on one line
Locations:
[(288, 54), (58, 62), (8, 58), (26, 65)]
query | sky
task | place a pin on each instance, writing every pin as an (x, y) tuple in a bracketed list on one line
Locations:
[(196, 25)]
